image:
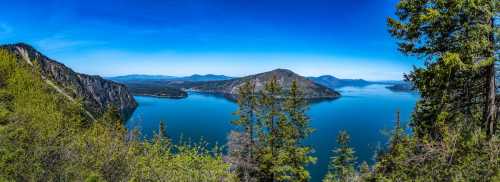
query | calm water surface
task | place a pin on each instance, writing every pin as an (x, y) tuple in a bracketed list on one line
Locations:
[(364, 112)]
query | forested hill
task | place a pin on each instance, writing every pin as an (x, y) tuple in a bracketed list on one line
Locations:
[(285, 77), (97, 94)]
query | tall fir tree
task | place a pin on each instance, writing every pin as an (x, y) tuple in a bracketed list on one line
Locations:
[(341, 167), (299, 155), (242, 144), (273, 124), (457, 87), (270, 114), (457, 41)]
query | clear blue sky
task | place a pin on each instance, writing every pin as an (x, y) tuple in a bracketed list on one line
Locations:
[(345, 38)]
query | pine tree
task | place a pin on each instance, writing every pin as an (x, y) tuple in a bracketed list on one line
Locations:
[(270, 113), (295, 131), (393, 160), (364, 171), (449, 142), (341, 167), (273, 125), (457, 41), (161, 137), (296, 107), (242, 144), (162, 130)]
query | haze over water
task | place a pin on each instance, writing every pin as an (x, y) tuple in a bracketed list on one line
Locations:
[(365, 112)]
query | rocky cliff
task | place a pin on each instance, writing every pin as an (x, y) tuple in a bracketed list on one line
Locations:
[(97, 94)]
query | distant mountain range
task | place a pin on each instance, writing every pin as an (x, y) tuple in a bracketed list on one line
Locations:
[(218, 84), (335, 83), (171, 86), (163, 78), (325, 80)]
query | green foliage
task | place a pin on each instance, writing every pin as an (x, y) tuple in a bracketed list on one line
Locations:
[(456, 38), (46, 137), (242, 145), (274, 124), (453, 135), (342, 165), (473, 157)]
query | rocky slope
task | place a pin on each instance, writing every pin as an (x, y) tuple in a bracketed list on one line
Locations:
[(285, 77), (97, 93)]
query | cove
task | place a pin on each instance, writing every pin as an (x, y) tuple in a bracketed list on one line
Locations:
[(365, 112)]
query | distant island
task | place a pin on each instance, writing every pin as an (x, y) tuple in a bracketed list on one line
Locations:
[(402, 87), (147, 89)]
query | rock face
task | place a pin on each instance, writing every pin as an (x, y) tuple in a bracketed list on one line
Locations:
[(285, 77), (97, 93)]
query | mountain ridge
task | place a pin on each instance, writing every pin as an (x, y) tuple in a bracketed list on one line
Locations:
[(144, 77), (98, 94), (329, 81)]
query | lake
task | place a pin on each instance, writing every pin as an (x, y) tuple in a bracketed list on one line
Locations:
[(365, 112)]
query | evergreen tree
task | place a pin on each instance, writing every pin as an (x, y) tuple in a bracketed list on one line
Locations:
[(161, 137), (296, 107), (364, 171), (455, 115), (242, 144), (392, 160), (456, 38), (341, 167), (273, 126), (270, 115), (299, 129), (162, 130)]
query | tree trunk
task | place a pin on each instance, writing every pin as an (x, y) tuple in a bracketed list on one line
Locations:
[(491, 109)]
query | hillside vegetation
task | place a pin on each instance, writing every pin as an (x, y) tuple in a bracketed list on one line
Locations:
[(45, 137), (454, 128)]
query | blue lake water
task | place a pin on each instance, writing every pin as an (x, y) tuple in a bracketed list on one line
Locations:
[(365, 112)]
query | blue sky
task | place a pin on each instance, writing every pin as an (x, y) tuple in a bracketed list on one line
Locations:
[(348, 39)]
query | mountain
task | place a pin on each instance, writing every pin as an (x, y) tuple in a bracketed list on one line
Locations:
[(140, 78), (161, 78), (334, 82), (96, 93), (204, 78), (284, 77), (158, 85)]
